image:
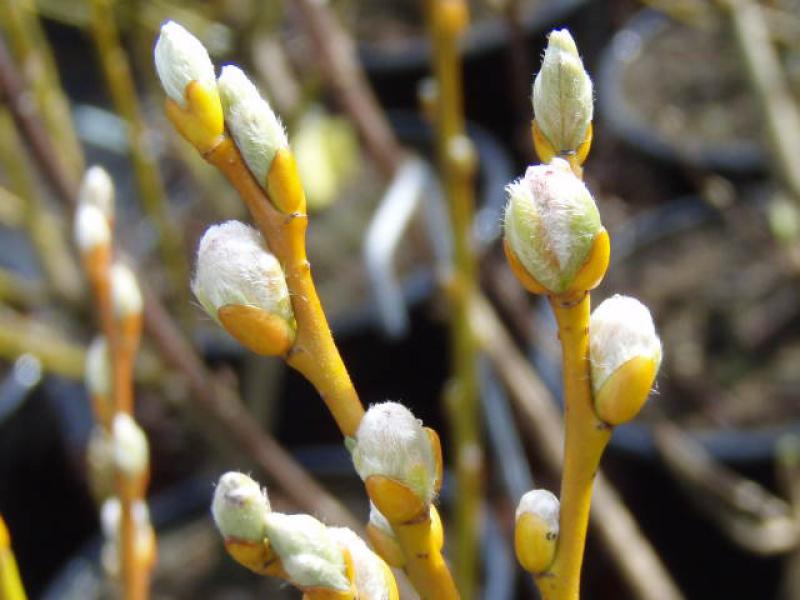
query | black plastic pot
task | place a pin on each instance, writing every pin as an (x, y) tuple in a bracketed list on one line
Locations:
[(733, 446), (741, 156)]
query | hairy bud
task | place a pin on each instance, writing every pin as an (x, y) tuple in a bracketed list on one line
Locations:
[(241, 286), (553, 230), (625, 354), (562, 95), (536, 530), (258, 132)]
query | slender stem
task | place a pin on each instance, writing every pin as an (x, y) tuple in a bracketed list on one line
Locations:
[(763, 67), (585, 439), (340, 67), (19, 335), (13, 92), (43, 227), (32, 50), (123, 93), (314, 353), (456, 158), (425, 566), (10, 582)]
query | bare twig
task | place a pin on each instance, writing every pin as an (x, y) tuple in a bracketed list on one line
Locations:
[(763, 67), (747, 513), (638, 562), (340, 67)]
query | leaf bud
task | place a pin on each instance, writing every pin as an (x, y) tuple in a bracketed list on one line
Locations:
[(554, 239), (240, 508), (309, 554), (536, 530), (562, 95), (255, 127), (391, 443), (241, 285), (624, 354)]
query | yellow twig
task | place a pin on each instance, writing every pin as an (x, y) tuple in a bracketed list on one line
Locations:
[(19, 335), (314, 353), (123, 94), (10, 582), (32, 50), (43, 227), (585, 440), (447, 18)]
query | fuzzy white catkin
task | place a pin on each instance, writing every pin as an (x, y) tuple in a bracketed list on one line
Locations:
[(562, 94), (308, 552), (370, 573), (180, 59), (109, 521), (131, 450), (97, 189), (391, 442), (98, 368), (126, 297), (542, 504), (234, 267), (620, 329), (91, 228), (255, 127), (240, 507), (551, 221)]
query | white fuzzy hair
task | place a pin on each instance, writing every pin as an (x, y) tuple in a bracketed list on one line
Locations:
[(562, 94), (180, 59), (391, 442), (309, 553), (234, 267), (550, 222), (255, 127), (240, 507), (370, 573), (91, 229), (542, 504), (620, 329)]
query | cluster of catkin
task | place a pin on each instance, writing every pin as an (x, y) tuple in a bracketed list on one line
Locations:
[(118, 452), (256, 283)]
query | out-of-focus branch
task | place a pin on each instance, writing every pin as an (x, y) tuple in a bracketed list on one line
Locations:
[(642, 570), (32, 50), (119, 81), (12, 91), (242, 429), (217, 402), (19, 335), (339, 66), (45, 230), (747, 513), (763, 67)]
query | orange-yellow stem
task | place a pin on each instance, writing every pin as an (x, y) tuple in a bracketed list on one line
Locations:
[(10, 583), (314, 353), (586, 437)]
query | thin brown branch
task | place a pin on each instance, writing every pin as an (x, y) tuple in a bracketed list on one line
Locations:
[(340, 68), (763, 68)]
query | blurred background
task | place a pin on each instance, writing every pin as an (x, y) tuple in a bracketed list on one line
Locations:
[(695, 166)]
